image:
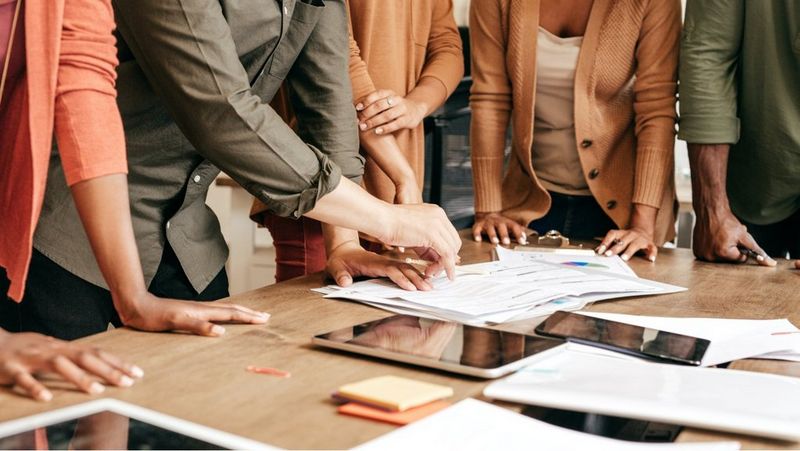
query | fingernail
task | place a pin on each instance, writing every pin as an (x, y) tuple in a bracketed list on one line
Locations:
[(625, 257), (760, 258), (125, 381), (137, 372), (343, 280), (264, 315), (362, 126), (653, 259), (506, 241), (379, 130), (478, 239), (495, 241), (96, 388), (217, 330), (601, 249), (522, 241), (608, 254), (44, 395), (360, 106)]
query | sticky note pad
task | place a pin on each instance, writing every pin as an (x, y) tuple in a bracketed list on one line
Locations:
[(399, 418), (394, 393)]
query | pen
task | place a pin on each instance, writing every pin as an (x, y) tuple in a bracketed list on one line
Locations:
[(751, 253)]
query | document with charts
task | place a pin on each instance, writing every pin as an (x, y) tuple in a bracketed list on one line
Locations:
[(509, 289)]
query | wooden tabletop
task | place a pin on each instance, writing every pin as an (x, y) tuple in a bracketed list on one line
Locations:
[(204, 379)]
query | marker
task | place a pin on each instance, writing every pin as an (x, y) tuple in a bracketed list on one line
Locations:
[(787, 333), (751, 253), (269, 371)]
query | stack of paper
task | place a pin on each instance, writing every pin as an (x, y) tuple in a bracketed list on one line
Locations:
[(587, 379), (515, 287), (476, 425)]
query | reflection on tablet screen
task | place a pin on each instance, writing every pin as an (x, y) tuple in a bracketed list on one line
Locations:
[(443, 341)]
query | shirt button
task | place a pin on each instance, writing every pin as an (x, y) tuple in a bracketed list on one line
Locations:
[(586, 143), (286, 10), (196, 179), (593, 174), (167, 225), (611, 204)]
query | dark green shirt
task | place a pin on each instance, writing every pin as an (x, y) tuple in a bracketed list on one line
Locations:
[(194, 84), (740, 85)]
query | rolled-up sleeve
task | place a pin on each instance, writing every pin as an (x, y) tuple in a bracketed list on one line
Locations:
[(186, 51), (321, 94), (88, 126), (710, 46)]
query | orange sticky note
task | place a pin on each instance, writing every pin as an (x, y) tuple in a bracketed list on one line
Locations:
[(399, 418)]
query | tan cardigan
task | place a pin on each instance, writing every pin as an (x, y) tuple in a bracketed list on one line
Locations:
[(625, 94), (395, 44)]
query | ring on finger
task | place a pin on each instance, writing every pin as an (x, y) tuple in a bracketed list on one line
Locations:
[(389, 101)]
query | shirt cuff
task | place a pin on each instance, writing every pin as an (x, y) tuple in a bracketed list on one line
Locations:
[(705, 129)]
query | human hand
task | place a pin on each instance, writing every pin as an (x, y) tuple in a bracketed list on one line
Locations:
[(425, 228), (350, 260), (152, 314), (25, 355), (406, 334), (497, 228), (386, 112), (626, 243), (718, 235)]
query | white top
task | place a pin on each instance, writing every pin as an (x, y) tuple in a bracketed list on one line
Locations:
[(555, 150)]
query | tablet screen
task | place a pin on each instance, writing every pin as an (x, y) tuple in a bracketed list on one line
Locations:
[(442, 341)]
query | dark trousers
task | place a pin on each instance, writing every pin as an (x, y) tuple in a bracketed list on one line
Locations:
[(59, 304), (576, 217), (780, 239)]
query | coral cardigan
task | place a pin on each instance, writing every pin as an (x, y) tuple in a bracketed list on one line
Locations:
[(394, 45), (625, 95), (68, 88)]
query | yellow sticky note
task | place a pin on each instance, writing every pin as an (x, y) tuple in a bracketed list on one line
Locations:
[(394, 393)]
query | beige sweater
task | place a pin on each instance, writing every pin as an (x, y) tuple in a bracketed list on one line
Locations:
[(625, 95)]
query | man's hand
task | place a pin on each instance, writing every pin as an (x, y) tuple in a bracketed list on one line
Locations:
[(386, 112), (152, 314), (497, 228), (719, 235), (25, 355), (350, 260)]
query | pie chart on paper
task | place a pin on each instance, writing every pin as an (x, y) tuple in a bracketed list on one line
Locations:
[(582, 264)]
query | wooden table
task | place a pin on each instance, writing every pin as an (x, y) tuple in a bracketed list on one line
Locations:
[(204, 379)]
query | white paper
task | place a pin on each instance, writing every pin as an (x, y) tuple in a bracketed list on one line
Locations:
[(712, 398), (613, 264), (731, 339), (502, 291), (472, 425)]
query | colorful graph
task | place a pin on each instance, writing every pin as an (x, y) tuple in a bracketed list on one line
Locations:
[(586, 265)]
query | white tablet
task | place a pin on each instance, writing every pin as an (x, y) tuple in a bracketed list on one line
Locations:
[(112, 424), (457, 348)]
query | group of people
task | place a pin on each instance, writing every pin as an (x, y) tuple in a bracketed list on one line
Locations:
[(316, 108)]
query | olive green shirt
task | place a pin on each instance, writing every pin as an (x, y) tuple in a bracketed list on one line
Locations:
[(740, 85), (194, 84)]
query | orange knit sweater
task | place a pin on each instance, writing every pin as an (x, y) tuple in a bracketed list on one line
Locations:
[(625, 95)]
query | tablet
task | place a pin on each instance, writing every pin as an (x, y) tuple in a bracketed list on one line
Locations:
[(457, 348), (113, 424)]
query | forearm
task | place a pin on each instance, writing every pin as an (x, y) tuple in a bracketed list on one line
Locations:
[(349, 206), (709, 166), (103, 206), (429, 94), (386, 153)]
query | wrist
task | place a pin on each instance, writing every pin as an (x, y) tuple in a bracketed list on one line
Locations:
[(643, 218), (128, 303)]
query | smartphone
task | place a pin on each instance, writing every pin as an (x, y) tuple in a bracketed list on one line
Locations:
[(638, 341)]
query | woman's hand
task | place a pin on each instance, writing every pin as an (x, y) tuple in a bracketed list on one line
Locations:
[(152, 314), (386, 112), (25, 355), (638, 238), (497, 228), (350, 260)]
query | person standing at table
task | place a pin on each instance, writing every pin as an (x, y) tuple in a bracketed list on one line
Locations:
[(740, 115), (405, 60), (57, 61), (588, 87), (192, 89)]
